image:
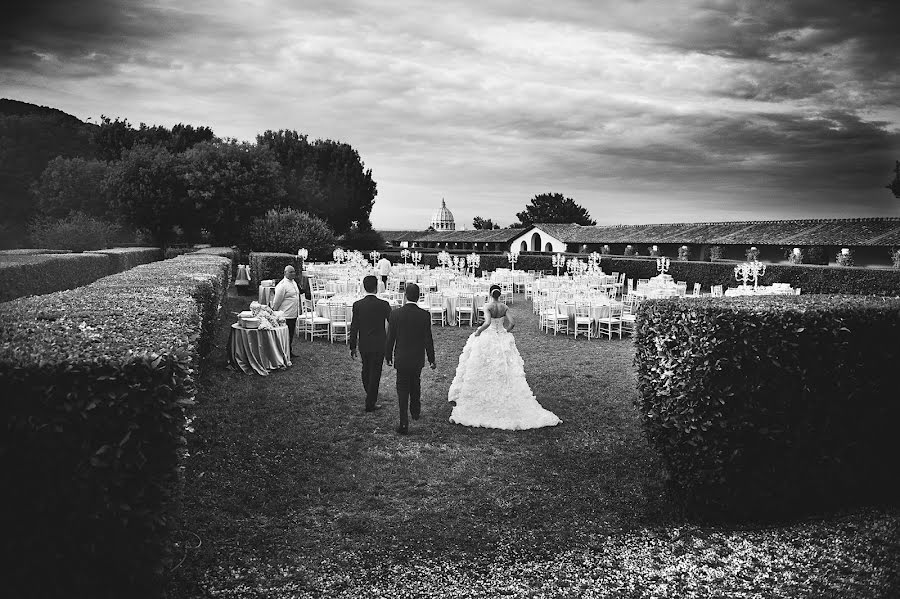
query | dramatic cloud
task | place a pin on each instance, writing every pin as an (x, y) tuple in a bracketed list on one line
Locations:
[(640, 111)]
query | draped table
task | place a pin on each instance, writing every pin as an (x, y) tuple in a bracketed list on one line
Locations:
[(259, 350), (451, 299), (348, 300), (598, 310)]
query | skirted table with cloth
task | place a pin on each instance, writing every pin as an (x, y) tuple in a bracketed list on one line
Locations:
[(259, 350)]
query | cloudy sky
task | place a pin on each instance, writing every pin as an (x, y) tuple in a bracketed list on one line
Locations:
[(639, 111)]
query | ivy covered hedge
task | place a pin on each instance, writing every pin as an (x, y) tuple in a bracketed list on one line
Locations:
[(122, 259), (774, 404), (96, 381), (270, 265), (22, 275)]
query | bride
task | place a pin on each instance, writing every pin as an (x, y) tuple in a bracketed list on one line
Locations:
[(489, 388)]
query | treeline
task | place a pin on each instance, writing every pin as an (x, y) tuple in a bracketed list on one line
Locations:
[(178, 185)]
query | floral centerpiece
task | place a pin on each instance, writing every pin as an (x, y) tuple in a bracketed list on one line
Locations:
[(268, 318)]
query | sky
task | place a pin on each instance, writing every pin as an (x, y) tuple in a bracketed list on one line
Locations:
[(642, 112)]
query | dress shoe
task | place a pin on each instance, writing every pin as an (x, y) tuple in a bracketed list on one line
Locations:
[(402, 430), (374, 408), (415, 416)]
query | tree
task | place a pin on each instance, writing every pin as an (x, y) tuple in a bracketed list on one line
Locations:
[(229, 184), (894, 185), (72, 185), (484, 223), (287, 230), (147, 187), (113, 137), (325, 178), (362, 236), (554, 208)]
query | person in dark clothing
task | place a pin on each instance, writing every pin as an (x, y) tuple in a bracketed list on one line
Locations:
[(370, 314)]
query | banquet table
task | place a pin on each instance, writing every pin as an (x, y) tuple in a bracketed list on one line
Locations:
[(775, 289), (451, 299), (259, 350), (348, 299), (598, 311)]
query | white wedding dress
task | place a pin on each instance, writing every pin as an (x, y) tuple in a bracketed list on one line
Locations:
[(490, 389)]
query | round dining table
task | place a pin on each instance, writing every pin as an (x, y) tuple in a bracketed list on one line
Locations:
[(259, 350)]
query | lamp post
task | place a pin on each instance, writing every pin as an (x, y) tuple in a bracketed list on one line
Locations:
[(338, 255), (443, 258), (513, 257), (559, 261), (662, 265), (594, 260), (416, 258), (302, 253), (374, 255), (404, 253)]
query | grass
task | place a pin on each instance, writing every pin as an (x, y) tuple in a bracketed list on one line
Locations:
[(293, 491)]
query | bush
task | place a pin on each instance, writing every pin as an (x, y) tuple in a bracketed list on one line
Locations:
[(22, 275), (362, 239), (270, 265), (174, 252), (77, 232), (286, 231), (32, 252), (764, 406), (895, 258), (95, 383), (715, 252), (844, 259), (684, 253), (231, 253), (123, 259)]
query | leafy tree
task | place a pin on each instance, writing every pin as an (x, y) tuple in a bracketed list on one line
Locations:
[(77, 231), (325, 178), (554, 208), (287, 230), (72, 185), (894, 185), (484, 223), (229, 183), (148, 189), (113, 137), (362, 236)]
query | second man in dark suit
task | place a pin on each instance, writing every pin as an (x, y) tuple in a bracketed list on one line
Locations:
[(408, 341), (370, 314)]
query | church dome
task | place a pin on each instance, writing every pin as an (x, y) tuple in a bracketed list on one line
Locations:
[(442, 219)]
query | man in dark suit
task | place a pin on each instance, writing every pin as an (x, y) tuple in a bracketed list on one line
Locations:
[(369, 317), (409, 339)]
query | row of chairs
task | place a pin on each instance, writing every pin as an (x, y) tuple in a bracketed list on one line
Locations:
[(619, 318)]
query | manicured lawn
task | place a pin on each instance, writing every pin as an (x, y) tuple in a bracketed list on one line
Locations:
[(293, 491)]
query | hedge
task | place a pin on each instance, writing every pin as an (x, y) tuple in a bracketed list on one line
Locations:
[(95, 382), (772, 405), (32, 251), (809, 278), (231, 253), (125, 258), (270, 265), (23, 275)]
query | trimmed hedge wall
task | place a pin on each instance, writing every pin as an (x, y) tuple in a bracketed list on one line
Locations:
[(232, 254), (31, 252), (270, 265), (125, 258), (96, 381), (809, 278), (39, 274), (772, 405)]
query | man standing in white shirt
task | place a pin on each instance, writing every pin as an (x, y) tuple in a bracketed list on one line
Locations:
[(384, 269), (287, 299)]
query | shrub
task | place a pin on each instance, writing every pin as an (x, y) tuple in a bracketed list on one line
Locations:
[(653, 251), (270, 265), (286, 231), (23, 275), (173, 252), (794, 255), (231, 253), (715, 252), (605, 250), (816, 254), (123, 259), (752, 254), (763, 406), (78, 232), (684, 253), (895, 258), (363, 239), (844, 257), (95, 383), (629, 251)]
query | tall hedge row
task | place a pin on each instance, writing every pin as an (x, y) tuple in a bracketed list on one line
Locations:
[(775, 404), (122, 259), (96, 381), (39, 274), (809, 278)]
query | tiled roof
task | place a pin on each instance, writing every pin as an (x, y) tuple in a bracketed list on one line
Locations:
[(562, 231), (470, 236), (402, 235), (851, 232)]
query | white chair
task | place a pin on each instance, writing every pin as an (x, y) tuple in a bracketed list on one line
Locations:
[(696, 288), (558, 320), (611, 324), (436, 308), (465, 309), (339, 327), (629, 311), (506, 293), (316, 326), (583, 322), (718, 291)]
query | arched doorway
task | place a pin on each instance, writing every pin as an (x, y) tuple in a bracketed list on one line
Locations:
[(524, 246), (548, 247), (536, 242)]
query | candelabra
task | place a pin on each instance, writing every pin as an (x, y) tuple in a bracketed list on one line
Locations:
[(473, 261), (416, 257), (576, 266), (339, 255), (513, 257), (404, 253), (559, 261), (302, 253), (662, 265), (749, 270), (374, 255), (444, 259)]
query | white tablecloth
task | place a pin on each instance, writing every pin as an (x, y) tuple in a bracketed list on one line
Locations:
[(259, 350)]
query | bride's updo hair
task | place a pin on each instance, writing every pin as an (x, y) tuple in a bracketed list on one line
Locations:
[(495, 291)]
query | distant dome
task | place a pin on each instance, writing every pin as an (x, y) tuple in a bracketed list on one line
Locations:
[(442, 219)]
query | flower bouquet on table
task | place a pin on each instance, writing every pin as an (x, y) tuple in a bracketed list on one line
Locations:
[(268, 318)]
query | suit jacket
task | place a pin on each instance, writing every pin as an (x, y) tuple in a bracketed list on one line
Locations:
[(369, 317), (409, 337)]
